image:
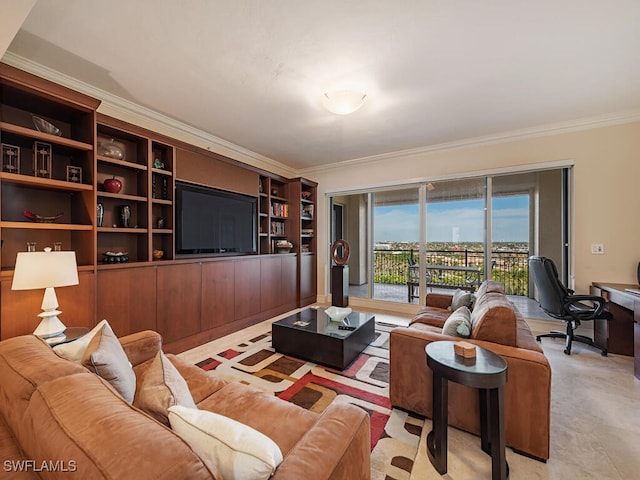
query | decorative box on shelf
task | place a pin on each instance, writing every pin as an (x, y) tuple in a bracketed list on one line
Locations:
[(10, 158)]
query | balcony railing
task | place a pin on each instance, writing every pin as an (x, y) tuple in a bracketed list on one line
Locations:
[(511, 268)]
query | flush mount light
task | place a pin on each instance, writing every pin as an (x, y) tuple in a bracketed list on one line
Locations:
[(343, 102)]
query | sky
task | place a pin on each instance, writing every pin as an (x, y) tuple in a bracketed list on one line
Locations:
[(455, 221)]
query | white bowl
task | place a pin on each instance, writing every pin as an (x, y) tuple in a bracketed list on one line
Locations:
[(338, 314)]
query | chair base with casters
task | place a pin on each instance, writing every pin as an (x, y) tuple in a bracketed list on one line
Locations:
[(570, 337)]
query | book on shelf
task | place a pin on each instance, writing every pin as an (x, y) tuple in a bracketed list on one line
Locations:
[(279, 209), (277, 228)]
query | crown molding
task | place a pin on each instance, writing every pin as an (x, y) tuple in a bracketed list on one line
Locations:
[(131, 112), (503, 137)]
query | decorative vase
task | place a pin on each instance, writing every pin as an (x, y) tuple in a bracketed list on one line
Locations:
[(125, 216), (99, 214)]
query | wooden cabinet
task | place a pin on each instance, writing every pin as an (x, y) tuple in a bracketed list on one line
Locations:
[(247, 288), (49, 175), (273, 211), (137, 220), (178, 301), (304, 192), (218, 294), (19, 308), (127, 299), (63, 174)]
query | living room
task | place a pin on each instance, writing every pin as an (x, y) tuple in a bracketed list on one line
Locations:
[(599, 141)]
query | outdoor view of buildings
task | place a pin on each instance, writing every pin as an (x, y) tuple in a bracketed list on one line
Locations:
[(508, 263)]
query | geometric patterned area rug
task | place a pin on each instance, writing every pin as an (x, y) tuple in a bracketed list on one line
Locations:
[(395, 434)]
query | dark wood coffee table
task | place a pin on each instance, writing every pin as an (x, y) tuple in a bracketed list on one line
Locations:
[(311, 335)]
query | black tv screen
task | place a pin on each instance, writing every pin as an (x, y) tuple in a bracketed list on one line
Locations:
[(210, 221)]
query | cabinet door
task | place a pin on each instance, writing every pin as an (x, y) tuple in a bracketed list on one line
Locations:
[(270, 282), (308, 279), (289, 281), (18, 314), (127, 299), (247, 288), (218, 294), (178, 301)]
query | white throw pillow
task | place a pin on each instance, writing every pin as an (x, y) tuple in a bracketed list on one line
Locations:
[(235, 450), (458, 324), (74, 351)]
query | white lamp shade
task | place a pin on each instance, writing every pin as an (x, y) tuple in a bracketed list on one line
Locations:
[(44, 269), (343, 102)]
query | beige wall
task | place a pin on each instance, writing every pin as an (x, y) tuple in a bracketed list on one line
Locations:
[(606, 198)]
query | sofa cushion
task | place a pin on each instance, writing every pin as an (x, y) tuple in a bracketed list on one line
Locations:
[(460, 298), (74, 351), (458, 324), (238, 401), (236, 450), (162, 387), (433, 316), (494, 319), (105, 357), (84, 420)]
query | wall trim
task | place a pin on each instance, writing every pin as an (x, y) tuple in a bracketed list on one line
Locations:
[(118, 107), (503, 137)]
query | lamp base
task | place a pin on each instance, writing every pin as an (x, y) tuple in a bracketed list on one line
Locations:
[(50, 326)]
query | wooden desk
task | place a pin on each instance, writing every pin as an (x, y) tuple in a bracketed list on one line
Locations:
[(620, 335)]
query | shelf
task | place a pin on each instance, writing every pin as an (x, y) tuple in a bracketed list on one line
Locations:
[(121, 230), (161, 201), (46, 183), (279, 199), (122, 196), (161, 171), (276, 217), (164, 231), (45, 137), (121, 163), (46, 226)]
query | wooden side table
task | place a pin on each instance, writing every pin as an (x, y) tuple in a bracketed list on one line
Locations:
[(487, 372), (69, 335)]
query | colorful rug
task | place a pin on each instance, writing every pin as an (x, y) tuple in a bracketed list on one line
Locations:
[(395, 434)]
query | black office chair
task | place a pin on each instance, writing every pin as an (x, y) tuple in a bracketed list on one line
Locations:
[(560, 302)]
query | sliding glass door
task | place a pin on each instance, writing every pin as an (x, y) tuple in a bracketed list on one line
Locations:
[(449, 234)]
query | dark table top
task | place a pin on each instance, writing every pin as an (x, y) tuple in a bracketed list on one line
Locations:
[(315, 320), (486, 370)]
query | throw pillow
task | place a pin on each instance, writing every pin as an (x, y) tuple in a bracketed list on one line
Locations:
[(458, 324), (163, 387), (460, 298), (225, 445), (74, 351), (105, 357)]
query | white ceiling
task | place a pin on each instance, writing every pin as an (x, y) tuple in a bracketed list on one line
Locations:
[(252, 72)]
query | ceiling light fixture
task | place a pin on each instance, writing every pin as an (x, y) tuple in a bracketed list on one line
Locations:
[(343, 102)]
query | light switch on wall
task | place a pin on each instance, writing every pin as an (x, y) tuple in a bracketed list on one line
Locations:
[(597, 249)]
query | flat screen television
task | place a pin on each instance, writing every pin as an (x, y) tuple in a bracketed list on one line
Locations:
[(211, 221)]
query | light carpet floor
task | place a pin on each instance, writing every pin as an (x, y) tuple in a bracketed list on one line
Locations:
[(595, 419)]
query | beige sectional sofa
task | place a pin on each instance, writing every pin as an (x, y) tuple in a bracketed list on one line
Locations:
[(57, 415), (497, 326)]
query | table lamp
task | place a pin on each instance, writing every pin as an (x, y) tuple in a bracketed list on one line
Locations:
[(46, 270)]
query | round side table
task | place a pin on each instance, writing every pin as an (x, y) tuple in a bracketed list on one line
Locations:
[(69, 335), (487, 372)]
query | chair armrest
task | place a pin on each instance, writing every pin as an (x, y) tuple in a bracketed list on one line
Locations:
[(586, 313), (141, 346), (337, 447)]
